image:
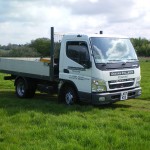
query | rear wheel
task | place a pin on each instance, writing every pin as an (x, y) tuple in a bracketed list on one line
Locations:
[(70, 96), (20, 89), (25, 88)]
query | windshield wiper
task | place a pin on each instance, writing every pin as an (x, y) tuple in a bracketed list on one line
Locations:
[(133, 59), (109, 62), (114, 60)]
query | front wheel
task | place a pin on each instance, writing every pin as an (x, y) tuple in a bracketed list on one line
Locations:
[(70, 96)]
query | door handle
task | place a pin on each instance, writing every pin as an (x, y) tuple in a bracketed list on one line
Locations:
[(66, 71)]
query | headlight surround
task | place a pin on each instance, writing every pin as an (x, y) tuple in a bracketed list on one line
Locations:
[(98, 85), (138, 81)]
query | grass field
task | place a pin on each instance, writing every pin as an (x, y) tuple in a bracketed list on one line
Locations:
[(41, 123)]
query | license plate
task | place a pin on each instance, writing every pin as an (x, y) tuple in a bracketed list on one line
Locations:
[(124, 96)]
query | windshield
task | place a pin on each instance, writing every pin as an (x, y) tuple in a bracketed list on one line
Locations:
[(112, 50)]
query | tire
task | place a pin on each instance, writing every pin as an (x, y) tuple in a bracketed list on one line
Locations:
[(25, 88), (70, 96)]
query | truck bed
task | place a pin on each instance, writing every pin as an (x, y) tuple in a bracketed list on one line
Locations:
[(28, 67)]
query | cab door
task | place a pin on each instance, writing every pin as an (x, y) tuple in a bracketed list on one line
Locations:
[(77, 67)]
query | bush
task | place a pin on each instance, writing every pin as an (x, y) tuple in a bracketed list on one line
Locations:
[(22, 51), (3, 53), (142, 46)]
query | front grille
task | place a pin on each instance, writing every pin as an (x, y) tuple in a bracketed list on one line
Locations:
[(120, 83)]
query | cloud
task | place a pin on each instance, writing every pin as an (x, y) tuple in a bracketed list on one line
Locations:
[(26, 10), (87, 7), (115, 11), (24, 20)]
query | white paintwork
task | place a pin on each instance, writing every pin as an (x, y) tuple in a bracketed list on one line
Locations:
[(82, 79), (31, 66)]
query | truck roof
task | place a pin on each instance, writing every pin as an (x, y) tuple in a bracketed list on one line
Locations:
[(74, 35)]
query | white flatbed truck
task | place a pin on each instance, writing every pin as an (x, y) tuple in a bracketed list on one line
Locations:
[(93, 68)]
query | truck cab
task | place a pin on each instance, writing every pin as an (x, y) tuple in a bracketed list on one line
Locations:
[(98, 69)]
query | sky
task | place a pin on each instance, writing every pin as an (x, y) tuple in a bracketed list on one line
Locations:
[(24, 20)]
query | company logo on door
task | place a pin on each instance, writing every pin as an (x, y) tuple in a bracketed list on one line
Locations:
[(121, 73)]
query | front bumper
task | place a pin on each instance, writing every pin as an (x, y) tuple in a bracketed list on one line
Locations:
[(111, 97)]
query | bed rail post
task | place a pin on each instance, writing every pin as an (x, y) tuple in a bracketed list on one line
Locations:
[(52, 55)]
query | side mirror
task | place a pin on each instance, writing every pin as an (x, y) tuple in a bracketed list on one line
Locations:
[(87, 64)]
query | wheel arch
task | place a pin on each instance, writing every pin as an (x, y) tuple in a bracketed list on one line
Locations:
[(65, 83), (26, 80), (18, 78)]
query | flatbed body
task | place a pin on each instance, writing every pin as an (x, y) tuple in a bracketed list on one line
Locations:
[(28, 67)]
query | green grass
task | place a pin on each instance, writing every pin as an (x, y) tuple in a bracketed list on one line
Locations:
[(145, 73), (42, 123)]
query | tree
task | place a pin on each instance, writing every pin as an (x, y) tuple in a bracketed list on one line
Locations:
[(142, 46), (42, 45)]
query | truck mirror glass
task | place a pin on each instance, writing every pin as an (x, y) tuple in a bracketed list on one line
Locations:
[(87, 64)]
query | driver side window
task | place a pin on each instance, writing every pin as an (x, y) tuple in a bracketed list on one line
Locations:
[(77, 51)]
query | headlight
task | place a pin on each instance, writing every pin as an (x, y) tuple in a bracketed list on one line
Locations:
[(138, 80), (98, 85)]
